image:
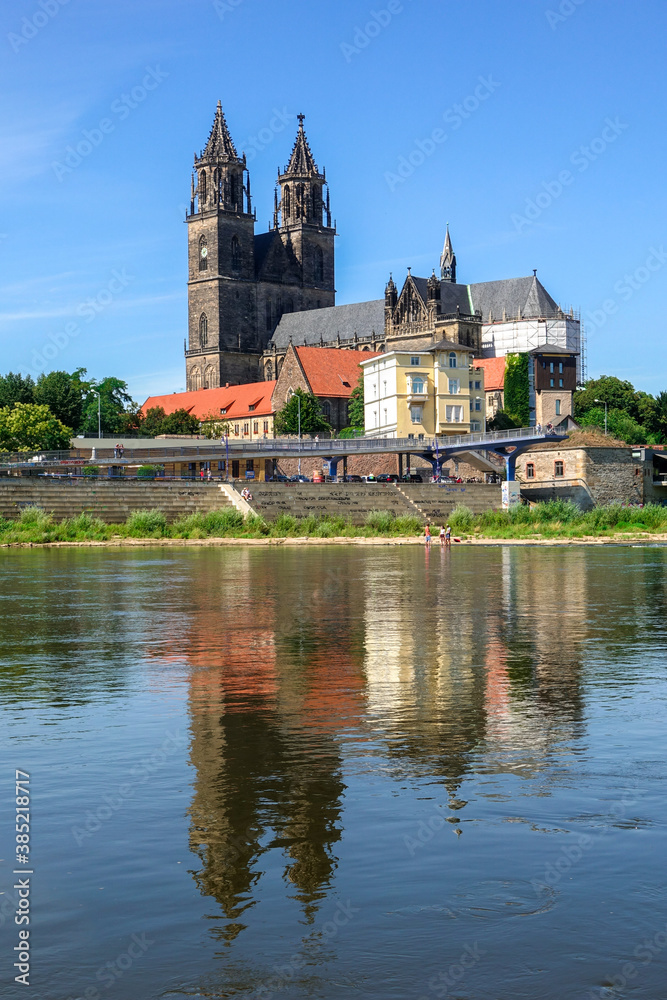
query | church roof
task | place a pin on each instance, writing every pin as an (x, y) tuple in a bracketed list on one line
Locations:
[(512, 296), (495, 299), (301, 161), (220, 141), (308, 327), (331, 372)]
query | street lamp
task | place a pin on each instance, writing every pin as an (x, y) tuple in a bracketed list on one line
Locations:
[(99, 413), (605, 412)]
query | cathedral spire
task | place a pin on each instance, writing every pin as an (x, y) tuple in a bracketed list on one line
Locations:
[(448, 260), (220, 145), (301, 162)]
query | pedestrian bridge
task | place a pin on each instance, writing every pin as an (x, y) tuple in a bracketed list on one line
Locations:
[(509, 444)]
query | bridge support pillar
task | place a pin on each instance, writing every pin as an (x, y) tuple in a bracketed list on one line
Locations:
[(333, 466), (400, 465)]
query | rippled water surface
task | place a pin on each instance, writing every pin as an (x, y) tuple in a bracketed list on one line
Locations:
[(337, 772)]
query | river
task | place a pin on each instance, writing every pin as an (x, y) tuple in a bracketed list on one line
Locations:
[(336, 772)]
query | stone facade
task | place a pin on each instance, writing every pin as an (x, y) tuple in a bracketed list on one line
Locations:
[(240, 284), (608, 475)]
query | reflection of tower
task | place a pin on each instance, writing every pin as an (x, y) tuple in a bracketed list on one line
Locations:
[(267, 696)]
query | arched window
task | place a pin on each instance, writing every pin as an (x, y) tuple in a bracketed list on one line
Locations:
[(203, 330), (268, 371), (236, 254), (209, 376), (202, 189), (452, 360), (216, 186), (287, 208), (195, 379), (319, 265), (418, 385), (203, 254), (325, 407)]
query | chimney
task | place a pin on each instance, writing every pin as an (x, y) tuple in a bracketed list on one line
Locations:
[(226, 385)]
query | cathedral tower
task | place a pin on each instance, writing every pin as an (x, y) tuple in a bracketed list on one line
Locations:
[(221, 266), (305, 223)]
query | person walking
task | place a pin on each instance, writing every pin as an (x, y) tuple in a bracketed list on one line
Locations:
[(201, 473), (427, 535)]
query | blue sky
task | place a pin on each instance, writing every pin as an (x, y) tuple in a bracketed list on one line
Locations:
[(554, 159)]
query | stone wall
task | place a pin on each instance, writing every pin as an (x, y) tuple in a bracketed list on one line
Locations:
[(610, 475)]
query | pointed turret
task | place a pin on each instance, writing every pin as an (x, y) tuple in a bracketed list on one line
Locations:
[(219, 145), (302, 163), (448, 260)]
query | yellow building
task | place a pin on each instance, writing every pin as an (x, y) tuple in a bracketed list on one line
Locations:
[(421, 393)]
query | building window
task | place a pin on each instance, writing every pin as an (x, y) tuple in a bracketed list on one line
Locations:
[(236, 430), (478, 405), (452, 360), (203, 330), (559, 469), (560, 383), (203, 254), (454, 414), (255, 427), (385, 415), (417, 386), (325, 408), (266, 426), (414, 361), (250, 465), (416, 414), (454, 386), (530, 470), (287, 197), (551, 367), (209, 377), (195, 379), (551, 383), (475, 425), (560, 367), (478, 385), (236, 254), (558, 407), (246, 428), (252, 406), (202, 190)]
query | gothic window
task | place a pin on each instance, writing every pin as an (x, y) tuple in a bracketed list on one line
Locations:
[(236, 254), (452, 360), (203, 254), (325, 407), (203, 330), (216, 185), (202, 189), (319, 265), (195, 379), (287, 198), (269, 371), (209, 376)]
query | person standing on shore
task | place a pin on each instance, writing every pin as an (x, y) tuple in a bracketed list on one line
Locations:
[(448, 535), (442, 534), (427, 535)]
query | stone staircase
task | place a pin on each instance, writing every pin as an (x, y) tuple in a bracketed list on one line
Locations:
[(111, 500), (353, 500), (435, 502)]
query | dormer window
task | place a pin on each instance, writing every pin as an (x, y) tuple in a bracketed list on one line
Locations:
[(223, 410), (252, 406)]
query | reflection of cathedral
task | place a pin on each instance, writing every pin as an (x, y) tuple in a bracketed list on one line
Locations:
[(423, 661)]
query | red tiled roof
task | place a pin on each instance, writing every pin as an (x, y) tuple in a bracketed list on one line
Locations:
[(236, 400), (494, 373), (330, 371)]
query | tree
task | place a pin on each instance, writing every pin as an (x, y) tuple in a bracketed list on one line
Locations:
[(114, 402), (617, 394), (29, 426), (502, 422), (16, 388), (63, 394), (312, 418), (180, 422), (355, 408), (152, 421)]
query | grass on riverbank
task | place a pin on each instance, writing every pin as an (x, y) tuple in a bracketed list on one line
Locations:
[(553, 519), (560, 519), (36, 526)]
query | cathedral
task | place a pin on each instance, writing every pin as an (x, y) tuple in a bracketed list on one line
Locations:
[(252, 295), (241, 283)]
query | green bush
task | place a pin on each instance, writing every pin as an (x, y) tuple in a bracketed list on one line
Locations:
[(285, 525), (34, 517), (462, 518), (380, 521), (254, 523), (146, 524), (407, 524), (83, 526), (91, 470), (149, 471)]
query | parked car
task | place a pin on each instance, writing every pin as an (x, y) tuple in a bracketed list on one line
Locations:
[(413, 477), (279, 479), (353, 479), (387, 477), (299, 479), (370, 479)]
